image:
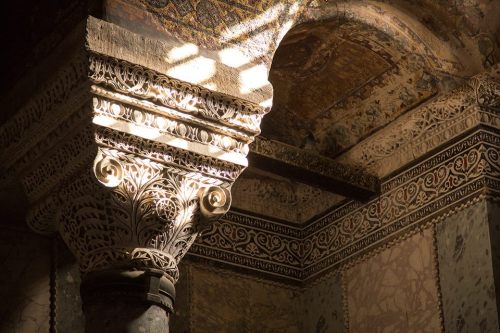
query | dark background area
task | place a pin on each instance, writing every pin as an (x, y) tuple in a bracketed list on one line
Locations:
[(30, 30)]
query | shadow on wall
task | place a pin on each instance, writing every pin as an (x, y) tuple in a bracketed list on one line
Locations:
[(24, 282)]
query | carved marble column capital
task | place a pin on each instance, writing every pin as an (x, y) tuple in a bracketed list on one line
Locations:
[(167, 155), (137, 214), (132, 165)]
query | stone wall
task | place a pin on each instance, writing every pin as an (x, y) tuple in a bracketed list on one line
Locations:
[(323, 306), (222, 301), (440, 279), (395, 290), (466, 272), (24, 282)]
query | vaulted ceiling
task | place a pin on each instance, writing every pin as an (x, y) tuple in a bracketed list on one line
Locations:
[(351, 69)]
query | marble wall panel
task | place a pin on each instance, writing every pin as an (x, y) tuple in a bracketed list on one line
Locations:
[(69, 314), (24, 282), (224, 302), (465, 269), (396, 289), (494, 223), (323, 310)]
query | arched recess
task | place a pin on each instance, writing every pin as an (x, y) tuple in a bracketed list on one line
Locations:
[(348, 69)]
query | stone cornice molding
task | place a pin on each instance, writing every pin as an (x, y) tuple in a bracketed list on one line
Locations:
[(418, 132), (468, 168), (313, 169)]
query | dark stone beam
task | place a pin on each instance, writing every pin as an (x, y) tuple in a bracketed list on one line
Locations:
[(312, 169)]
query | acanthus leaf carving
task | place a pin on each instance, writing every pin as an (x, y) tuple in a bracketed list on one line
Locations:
[(146, 216)]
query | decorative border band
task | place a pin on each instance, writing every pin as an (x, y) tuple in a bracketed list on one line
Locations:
[(467, 168), (137, 81)]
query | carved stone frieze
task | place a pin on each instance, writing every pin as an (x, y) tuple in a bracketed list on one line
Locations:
[(142, 214), (137, 81), (417, 133), (420, 198), (422, 194), (46, 110)]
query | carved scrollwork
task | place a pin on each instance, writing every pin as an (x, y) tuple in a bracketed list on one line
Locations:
[(431, 125), (215, 201), (108, 171), (137, 81), (405, 203), (147, 215)]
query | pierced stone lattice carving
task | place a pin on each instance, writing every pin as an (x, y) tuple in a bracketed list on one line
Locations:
[(148, 216), (147, 84)]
